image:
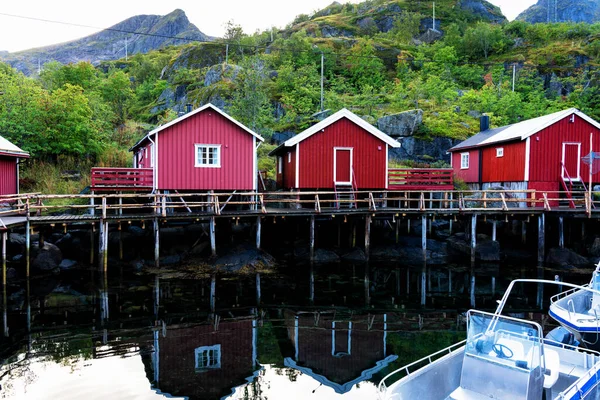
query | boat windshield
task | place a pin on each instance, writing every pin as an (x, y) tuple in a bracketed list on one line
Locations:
[(497, 339)]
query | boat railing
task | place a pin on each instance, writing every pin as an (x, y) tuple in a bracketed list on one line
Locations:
[(428, 360), (580, 387), (566, 293)]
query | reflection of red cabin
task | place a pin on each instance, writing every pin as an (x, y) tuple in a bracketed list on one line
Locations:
[(201, 363), (337, 353), (341, 150), (9, 166), (538, 154)]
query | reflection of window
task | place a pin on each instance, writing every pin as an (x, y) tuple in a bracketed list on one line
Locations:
[(208, 155), (208, 357), (464, 160), (279, 166), (500, 152), (289, 158)]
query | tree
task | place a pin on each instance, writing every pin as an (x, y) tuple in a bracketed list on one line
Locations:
[(365, 68), (484, 39), (116, 91), (406, 27)]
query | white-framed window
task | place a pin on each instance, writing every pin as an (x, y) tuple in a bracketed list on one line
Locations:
[(464, 160), (289, 158), (341, 340), (499, 151), (279, 165), (208, 155), (207, 357)]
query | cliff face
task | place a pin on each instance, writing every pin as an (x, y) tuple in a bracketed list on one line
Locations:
[(562, 11), (155, 31)]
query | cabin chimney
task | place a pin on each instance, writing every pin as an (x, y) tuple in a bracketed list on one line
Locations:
[(188, 108), (484, 123)]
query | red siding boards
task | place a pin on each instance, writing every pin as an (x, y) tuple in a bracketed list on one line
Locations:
[(547, 148), (289, 168), (369, 156), (176, 149), (471, 174), (545, 187), (8, 175), (510, 167)]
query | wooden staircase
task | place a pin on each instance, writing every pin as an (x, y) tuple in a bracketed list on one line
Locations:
[(575, 194), (344, 196)]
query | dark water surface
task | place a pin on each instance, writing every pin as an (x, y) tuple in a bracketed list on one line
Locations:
[(322, 332)]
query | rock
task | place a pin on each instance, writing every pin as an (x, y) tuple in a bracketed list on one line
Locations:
[(594, 249), (484, 10), (423, 150), (321, 115), (47, 258), (244, 259), (170, 260), (67, 264), (564, 257), (17, 239), (431, 36), (567, 11), (332, 31), (325, 256), (474, 114), (402, 124), (484, 250), (11, 273), (136, 231), (355, 255), (137, 265), (385, 253)]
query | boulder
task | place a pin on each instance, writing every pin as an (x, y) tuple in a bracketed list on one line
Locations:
[(244, 259), (47, 258), (403, 124), (594, 249), (565, 257), (357, 255), (67, 264), (486, 250), (423, 150), (320, 116)]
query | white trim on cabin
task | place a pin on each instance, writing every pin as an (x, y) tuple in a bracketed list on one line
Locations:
[(499, 152), (255, 164), (210, 357), (297, 165), (527, 158), (343, 113), (464, 161), (204, 161), (335, 150), (387, 171)]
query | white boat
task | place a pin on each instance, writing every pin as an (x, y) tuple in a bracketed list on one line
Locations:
[(578, 311), (502, 358)]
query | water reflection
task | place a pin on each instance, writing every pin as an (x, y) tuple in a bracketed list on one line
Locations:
[(324, 331)]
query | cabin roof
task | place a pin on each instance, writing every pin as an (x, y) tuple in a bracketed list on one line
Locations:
[(343, 113), (519, 131), (8, 148), (190, 114)]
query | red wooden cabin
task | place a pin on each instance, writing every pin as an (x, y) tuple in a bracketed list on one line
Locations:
[(343, 150), (9, 166), (541, 154), (205, 149)]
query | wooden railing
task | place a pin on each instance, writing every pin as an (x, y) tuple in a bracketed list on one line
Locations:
[(148, 205), (420, 179), (122, 179)]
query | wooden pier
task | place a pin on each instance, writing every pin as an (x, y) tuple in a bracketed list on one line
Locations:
[(103, 211)]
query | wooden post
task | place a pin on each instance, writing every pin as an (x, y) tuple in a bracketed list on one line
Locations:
[(4, 237), (407, 281), (258, 231), (213, 288), (258, 289), (311, 295), (312, 237), (449, 281), (397, 230), (493, 286), (561, 233), (524, 232), (92, 240), (120, 242), (27, 246), (424, 284), (120, 205), (101, 249), (156, 229), (93, 206), (541, 238), (105, 257), (472, 288), (367, 286), (451, 225), (494, 223), (213, 239), (429, 224), (408, 226), (353, 234), (424, 236), (473, 238), (367, 236)]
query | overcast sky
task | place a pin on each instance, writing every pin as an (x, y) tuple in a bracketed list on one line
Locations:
[(209, 16)]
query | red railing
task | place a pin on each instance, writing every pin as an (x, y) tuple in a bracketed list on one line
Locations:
[(117, 179), (420, 179), (569, 188)]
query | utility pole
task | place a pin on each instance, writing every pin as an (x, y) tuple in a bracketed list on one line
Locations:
[(322, 70), (226, 53), (514, 76)]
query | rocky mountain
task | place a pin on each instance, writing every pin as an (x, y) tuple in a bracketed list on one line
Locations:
[(149, 32), (562, 11)]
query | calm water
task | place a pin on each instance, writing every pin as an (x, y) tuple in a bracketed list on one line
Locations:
[(326, 332)]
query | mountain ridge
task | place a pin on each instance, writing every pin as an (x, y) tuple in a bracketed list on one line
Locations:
[(562, 11), (137, 34)]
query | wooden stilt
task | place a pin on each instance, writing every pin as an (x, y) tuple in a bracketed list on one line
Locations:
[(339, 232), (101, 249), (408, 226), (524, 232), (312, 237), (424, 237), (397, 230), (472, 289), (41, 239), (258, 231), (105, 261), (213, 288), (156, 229), (451, 225), (258, 297), (93, 206), (213, 239), (367, 286), (311, 295), (561, 233), (493, 285), (449, 281), (407, 281), (494, 223), (92, 241), (424, 285), (367, 236), (541, 239), (353, 234), (473, 238), (120, 242), (27, 246)]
